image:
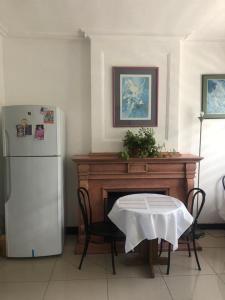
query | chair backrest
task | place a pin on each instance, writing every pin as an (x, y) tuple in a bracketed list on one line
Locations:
[(195, 197), (223, 181), (85, 206)]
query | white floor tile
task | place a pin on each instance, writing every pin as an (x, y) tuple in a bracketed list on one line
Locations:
[(201, 287), (77, 290), (138, 289), (129, 265), (22, 291), (17, 270), (58, 278), (182, 264), (215, 258), (66, 267)]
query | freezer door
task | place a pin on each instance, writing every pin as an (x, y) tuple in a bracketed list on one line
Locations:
[(34, 207), (44, 140)]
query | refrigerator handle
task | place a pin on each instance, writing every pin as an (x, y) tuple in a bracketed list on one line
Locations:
[(7, 185), (6, 143), (8, 180)]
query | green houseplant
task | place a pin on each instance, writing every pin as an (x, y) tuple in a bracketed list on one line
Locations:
[(141, 144)]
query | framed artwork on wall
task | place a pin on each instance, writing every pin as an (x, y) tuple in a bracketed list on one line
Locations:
[(135, 96), (213, 96)]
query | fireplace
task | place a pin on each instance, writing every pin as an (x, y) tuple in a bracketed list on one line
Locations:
[(106, 176)]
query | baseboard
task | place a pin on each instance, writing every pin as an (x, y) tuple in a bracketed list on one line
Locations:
[(212, 226), (71, 230), (74, 230)]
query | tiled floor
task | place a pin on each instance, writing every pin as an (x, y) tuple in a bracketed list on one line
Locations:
[(58, 277)]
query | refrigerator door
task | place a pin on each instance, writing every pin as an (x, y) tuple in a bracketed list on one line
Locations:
[(33, 209), (31, 130)]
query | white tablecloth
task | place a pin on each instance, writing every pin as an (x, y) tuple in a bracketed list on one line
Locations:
[(150, 216)]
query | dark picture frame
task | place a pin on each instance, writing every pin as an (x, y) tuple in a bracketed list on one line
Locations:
[(213, 96), (135, 96)]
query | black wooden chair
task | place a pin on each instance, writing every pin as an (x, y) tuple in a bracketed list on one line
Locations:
[(195, 195), (107, 230)]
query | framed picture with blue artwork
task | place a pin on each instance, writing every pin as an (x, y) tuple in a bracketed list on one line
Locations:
[(213, 96), (135, 96)]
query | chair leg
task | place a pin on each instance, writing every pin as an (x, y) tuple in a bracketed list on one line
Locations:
[(161, 246), (168, 262), (115, 250), (112, 254), (196, 255), (188, 246), (84, 251)]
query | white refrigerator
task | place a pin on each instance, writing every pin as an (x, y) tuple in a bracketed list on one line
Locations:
[(33, 149)]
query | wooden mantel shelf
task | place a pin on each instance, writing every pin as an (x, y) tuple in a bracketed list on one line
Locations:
[(114, 157), (103, 173)]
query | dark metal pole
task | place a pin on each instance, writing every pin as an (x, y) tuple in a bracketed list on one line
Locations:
[(201, 118), (200, 146)]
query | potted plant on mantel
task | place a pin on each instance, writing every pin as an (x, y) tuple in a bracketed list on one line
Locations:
[(143, 144)]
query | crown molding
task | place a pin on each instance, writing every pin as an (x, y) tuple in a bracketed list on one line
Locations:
[(3, 30), (189, 38), (47, 35), (211, 41), (86, 33)]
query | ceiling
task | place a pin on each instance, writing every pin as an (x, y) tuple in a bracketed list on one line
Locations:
[(193, 19)]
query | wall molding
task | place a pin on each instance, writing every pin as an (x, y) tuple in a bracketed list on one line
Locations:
[(168, 96), (46, 35), (108, 52), (88, 33), (210, 41), (84, 34), (70, 35)]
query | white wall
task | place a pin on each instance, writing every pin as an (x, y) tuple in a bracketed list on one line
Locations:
[(2, 92), (178, 115), (108, 51), (2, 99), (199, 58), (52, 71)]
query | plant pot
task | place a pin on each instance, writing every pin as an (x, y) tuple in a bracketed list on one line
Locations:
[(135, 152)]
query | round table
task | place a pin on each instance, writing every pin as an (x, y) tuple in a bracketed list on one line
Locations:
[(151, 217)]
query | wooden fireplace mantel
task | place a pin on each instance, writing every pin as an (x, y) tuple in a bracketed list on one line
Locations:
[(102, 173)]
